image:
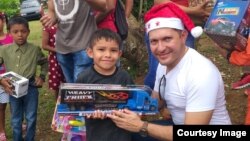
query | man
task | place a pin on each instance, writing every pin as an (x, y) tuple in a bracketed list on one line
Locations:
[(76, 23), (186, 82)]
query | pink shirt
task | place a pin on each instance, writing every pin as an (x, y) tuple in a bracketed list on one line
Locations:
[(7, 40)]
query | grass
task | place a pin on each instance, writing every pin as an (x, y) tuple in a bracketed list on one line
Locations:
[(46, 98)]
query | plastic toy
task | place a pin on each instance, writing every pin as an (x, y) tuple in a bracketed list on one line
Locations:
[(83, 99), (73, 126)]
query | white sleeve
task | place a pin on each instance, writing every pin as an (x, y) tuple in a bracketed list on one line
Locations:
[(202, 93)]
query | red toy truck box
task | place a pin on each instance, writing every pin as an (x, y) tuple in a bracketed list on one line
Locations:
[(82, 99), (228, 24)]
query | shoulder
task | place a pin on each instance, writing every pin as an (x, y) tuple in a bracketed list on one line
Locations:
[(84, 74)]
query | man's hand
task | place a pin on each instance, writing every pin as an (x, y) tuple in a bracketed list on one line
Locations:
[(201, 10), (126, 119), (48, 21)]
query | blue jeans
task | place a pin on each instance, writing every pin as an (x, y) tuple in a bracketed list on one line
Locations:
[(25, 106), (73, 63), (153, 62), (138, 137)]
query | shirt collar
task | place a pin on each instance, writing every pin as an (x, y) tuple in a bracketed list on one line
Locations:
[(22, 48)]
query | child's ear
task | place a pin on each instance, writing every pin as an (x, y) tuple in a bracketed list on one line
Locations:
[(90, 52)]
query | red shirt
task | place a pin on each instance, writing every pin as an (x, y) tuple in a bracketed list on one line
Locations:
[(181, 2)]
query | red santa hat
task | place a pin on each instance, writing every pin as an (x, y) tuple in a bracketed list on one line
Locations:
[(171, 16)]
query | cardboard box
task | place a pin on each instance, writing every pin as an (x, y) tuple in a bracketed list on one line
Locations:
[(209, 7), (82, 99), (228, 24), (20, 84)]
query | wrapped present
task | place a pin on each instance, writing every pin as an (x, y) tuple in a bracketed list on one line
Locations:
[(228, 24)]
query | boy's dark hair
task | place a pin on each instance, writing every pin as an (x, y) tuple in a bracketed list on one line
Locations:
[(107, 34), (17, 20)]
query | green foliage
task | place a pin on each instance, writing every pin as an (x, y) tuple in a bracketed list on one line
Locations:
[(10, 7)]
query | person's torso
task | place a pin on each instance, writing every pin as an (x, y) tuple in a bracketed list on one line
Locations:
[(76, 24), (22, 61), (104, 130), (108, 22), (180, 2), (183, 93)]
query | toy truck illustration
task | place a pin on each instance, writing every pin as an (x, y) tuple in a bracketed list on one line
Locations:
[(81, 99)]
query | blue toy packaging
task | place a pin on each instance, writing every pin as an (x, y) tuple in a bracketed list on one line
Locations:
[(83, 99), (228, 24), (78, 100)]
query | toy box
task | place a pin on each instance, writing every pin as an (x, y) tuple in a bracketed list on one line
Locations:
[(228, 24), (209, 7), (72, 125), (83, 99), (20, 84)]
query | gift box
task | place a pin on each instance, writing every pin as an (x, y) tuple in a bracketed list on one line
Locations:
[(19, 83), (228, 24)]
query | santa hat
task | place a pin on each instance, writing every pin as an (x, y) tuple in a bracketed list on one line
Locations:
[(171, 16)]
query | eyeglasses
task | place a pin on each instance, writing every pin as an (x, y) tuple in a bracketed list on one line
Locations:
[(162, 87)]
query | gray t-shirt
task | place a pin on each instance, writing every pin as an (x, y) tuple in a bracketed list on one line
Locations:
[(76, 23)]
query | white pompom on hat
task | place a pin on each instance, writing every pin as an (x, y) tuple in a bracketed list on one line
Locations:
[(171, 16)]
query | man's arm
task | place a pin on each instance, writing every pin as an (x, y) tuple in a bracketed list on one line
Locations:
[(100, 5), (49, 19), (110, 7), (128, 7), (130, 121), (199, 118), (197, 11)]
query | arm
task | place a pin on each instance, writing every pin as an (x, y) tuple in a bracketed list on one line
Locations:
[(100, 5), (197, 11), (128, 7), (49, 19), (45, 41), (130, 121), (101, 15), (43, 62)]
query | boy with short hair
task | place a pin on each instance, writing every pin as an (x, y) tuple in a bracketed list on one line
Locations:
[(105, 50), (22, 58)]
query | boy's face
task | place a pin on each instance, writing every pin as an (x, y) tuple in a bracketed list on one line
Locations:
[(19, 33), (105, 54)]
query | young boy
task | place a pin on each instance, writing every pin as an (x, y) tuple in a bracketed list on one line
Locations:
[(22, 58), (105, 49)]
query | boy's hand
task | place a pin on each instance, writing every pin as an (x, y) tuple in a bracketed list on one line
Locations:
[(5, 82), (39, 82)]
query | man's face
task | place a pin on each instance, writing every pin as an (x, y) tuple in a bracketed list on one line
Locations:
[(168, 45), (19, 33)]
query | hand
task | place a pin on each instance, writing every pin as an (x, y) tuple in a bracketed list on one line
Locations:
[(39, 82), (127, 120), (98, 114), (201, 11), (48, 21), (5, 82)]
